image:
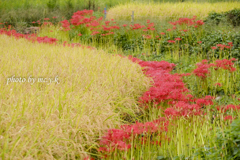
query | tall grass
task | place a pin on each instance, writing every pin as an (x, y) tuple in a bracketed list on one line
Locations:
[(62, 118), (168, 11)]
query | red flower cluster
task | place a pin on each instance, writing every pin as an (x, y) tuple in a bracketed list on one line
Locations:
[(225, 64), (136, 26), (188, 21), (223, 46), (206, 101), (85, 18), (202, 69), (34, 38), (66, 25), (121, 138), (183, 109), (230, 107)]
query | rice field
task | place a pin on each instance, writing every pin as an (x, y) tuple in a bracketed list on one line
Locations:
[(168, 11), (55, 101), (91, 88)]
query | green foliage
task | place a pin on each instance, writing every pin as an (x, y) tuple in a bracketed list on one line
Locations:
[(52, 4), (232, 17), (227, 145)]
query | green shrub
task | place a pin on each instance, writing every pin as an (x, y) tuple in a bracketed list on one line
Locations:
[(232, 17)]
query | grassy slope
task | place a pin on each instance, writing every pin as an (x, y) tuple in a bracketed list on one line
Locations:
[(42, 120)]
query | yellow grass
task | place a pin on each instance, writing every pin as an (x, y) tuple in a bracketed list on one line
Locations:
[(168, 11), (45, 120)]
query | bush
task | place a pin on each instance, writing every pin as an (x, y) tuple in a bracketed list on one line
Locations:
[(232, 17)]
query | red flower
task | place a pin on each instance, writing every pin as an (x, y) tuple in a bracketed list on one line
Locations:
[(199, 42), (218, 84), (230, 43), (214, 47), (46, 19), (228, 118), (162, 33), (177, 39), (171, 41), (202, 69)]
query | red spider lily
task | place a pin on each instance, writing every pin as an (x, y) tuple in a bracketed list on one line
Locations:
[(218, 84), (231, 107), (171, 112), (125, 25), (79, 34), (107, 23), (199, 42), (34, 38), (222, 46), (95, 32), (213, 48), (199, 22), (46, 19), (120, 138), (66, 25), (54, 17), (171, 41), (202, 69), (225, 64), (136, 26), (230, 118), (33, 22), (148, 21), (87, 158), (84, 12), (162, 33), (206, 101), (169, 29), (178, 39), (147, 36), (230, 44)]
